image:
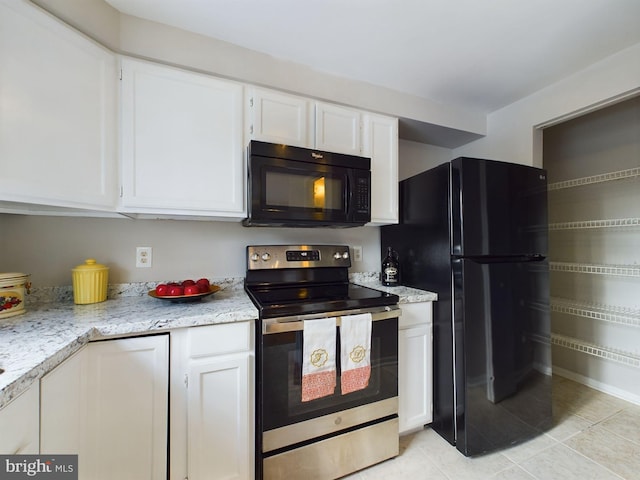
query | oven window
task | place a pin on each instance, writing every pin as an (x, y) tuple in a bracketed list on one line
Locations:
[(314, 191), (281, 377)]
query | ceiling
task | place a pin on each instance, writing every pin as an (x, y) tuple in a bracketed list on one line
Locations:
[(474, 54)]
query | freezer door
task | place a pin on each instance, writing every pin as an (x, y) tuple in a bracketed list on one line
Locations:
[(501, 322), (497, 208)]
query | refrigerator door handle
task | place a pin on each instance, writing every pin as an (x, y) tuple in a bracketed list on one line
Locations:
[(537, 257)]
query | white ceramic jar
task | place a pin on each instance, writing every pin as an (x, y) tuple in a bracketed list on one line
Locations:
[(13, 287)]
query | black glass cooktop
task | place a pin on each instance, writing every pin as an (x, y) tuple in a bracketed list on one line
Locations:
[(305, 299)]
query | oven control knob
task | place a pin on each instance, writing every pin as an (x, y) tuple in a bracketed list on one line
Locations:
[(265, 257), (345, 255), (337, 256), (255, 257)]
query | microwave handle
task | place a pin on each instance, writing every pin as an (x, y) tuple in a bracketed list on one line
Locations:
[(348, 194)]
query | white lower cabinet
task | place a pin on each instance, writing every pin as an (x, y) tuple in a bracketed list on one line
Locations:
[(19, 424), (212, 417), (415, 366), (108, 403)]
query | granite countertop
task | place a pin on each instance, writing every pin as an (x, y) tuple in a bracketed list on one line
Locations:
[(53, 327), (406, 294)]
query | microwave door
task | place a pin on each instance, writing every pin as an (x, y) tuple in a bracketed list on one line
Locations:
[(286, 192), (291, 193)]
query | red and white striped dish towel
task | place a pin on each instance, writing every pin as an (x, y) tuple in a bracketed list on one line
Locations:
[(355, 352), (319, 358)]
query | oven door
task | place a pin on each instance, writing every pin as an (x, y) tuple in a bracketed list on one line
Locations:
[(282, 416), (287, 192)]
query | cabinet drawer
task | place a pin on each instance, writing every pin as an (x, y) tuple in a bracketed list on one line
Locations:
[(219, 339)]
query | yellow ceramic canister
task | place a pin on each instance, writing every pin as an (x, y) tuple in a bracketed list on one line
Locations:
[(12, 290), (90, 282)]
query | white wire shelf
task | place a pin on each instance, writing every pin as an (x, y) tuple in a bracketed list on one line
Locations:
[(605, 313), (593, 269), (604, 177), (618, 356), (586, 224)]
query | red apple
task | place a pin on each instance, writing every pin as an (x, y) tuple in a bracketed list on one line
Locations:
[(204, 285), (188, 282), (192, 289), (162, 289), (176, 290)]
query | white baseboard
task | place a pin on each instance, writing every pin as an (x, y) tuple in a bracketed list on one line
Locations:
[(596, 385), (544, 369)]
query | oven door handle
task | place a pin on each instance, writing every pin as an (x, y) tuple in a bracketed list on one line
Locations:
[(296, 323)]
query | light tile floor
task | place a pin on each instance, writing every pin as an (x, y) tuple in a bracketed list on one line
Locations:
[(595, 436)]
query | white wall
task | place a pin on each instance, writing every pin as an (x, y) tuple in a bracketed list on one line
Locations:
[(512, 133), (417, 157), (49, 247)]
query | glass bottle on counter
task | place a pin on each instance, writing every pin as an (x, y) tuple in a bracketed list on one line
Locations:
[(390, 269)]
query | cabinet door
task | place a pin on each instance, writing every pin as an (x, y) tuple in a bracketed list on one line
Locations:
[(64, 409), (19, 424), (415, 365), (212, 402), (128, 389), (109, 405), (338, 129), (57, 113), (414, 377), (381, 144), (220, 421), (182, 147), (280, 118)]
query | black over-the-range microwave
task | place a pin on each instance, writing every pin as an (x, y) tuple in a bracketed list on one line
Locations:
[(299, 187)]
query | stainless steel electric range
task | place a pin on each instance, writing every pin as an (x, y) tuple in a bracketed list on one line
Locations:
[(339, 433)]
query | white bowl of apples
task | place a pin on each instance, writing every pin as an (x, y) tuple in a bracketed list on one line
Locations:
[(185, 291)]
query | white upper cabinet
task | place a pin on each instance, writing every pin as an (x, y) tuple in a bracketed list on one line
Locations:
[(182, 145), (57, 113), (338, 129), (381, 144), (280, 118)]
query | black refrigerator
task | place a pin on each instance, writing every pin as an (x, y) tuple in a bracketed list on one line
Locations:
[(475, 232)]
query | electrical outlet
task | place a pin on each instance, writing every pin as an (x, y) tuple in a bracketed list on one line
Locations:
[(144, 257), (357, 253)]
